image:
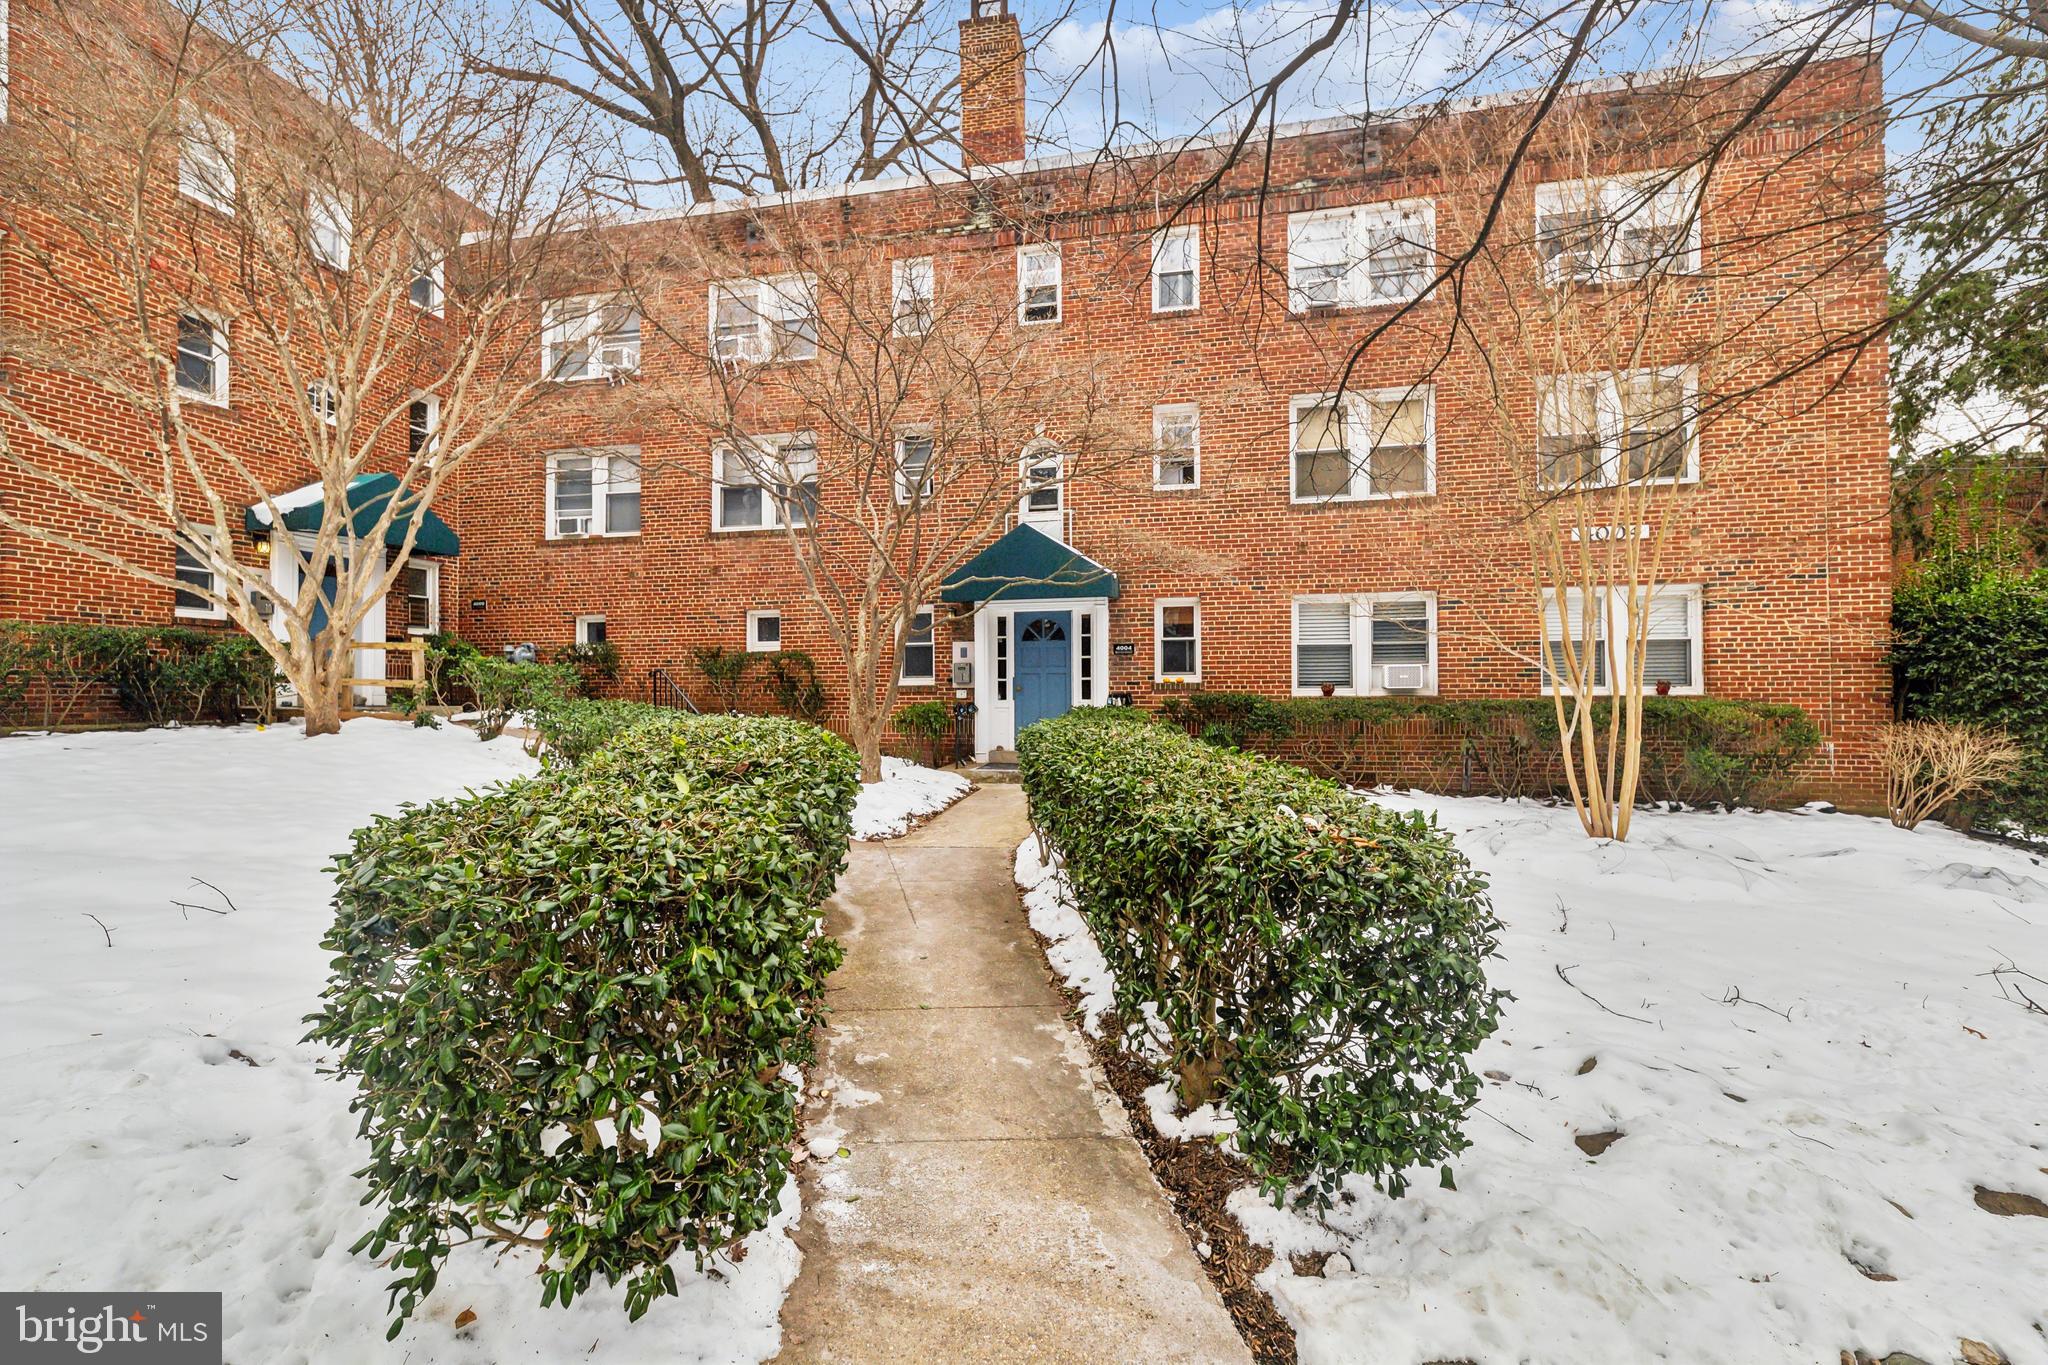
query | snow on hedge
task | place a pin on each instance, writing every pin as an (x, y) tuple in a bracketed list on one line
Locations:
[(165, 1128), (907, 794), (1791, 1021)]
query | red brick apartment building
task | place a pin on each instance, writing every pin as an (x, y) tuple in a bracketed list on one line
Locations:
[(112, 52), (1266, 549)]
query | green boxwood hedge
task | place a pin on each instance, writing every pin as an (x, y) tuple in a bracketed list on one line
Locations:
[(574, 728), (1308, 957), (1697, 750), (569, 1003)]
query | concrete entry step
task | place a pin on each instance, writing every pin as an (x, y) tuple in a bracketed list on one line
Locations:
[(991, 1204)]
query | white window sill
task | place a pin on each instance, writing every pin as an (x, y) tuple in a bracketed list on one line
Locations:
[(191, 614), (224, 210), (1157, 311), (422, 630), (751, 530), (917, 682), (1038, 322), (594, 535), (1177, 678), (203, 399), (1359, 497), (1177, 487)]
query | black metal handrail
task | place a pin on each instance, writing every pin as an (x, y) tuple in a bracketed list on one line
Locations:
[(664, 690)]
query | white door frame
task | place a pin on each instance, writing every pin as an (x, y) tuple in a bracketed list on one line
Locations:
[(995, 719), (285, 565)]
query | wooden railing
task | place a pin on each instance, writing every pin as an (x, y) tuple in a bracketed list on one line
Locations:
[(417, 670)]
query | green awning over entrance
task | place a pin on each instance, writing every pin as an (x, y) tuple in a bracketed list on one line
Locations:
[(1026, 562), (303, 509)]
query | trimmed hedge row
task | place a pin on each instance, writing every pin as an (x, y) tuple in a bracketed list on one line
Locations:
[(1698, 750), (48, 670), (572, 730), (570, 1003), (1313, 960)]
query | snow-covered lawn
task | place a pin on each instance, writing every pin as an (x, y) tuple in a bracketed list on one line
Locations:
[(165, 1129), (1790, 1020), (907, 794)]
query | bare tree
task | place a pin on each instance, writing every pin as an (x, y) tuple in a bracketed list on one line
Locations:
[(281, 247), (762, 96), (887, 420), (1629, 371)]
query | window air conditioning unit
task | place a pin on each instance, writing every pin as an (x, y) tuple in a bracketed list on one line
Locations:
[(1402, 677), (572, 526)]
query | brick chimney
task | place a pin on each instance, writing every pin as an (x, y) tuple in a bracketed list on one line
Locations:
[(991, 85)]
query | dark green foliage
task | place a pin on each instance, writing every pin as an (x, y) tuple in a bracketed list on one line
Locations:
[(725, 669), (930, 721), (1970, 643), (156, 673), (1695, 749), (574, 729), (551, 960), (1227, 718), (1311, 959), (793, 682), (503, 689), (447, 653), (596, 664)]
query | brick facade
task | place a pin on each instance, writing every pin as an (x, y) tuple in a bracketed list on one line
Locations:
[(1787, 532), (255, 427), (1786, 535)]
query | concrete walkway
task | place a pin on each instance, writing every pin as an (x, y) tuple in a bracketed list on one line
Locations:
[(992, 1204)]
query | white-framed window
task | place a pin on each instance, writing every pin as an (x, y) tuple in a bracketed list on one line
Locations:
[(1039, 283), (422, 584), (770, 482), (589, 337), (1672, 652), (1177, 270), (1043, 475), (1619, 227), (202, 364), (590, 630), (913, 465), (594, 493), (920, 652), (1176, 446), (1597, 430), (764, 632), (771, 318), (1377, 644), (422, 423), (428, 290), (206, 160), (914, 293), (325, 401), (1366, 254), (1380, 444), (195, 579), (1177, 639), (329, 227)]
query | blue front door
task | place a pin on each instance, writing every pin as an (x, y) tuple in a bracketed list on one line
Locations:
[(1045, 683)]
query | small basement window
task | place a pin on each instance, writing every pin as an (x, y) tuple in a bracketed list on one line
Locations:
[(764, 632)]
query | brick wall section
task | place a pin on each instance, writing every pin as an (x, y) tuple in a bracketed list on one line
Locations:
[(1787, 529), (41, 582), (991, 89)]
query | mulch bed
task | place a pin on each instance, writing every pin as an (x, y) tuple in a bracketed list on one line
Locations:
[(1197, 1177)]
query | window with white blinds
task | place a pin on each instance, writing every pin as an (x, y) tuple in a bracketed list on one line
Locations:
[(1671, 638), (1322, 644), (1369, 644)]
